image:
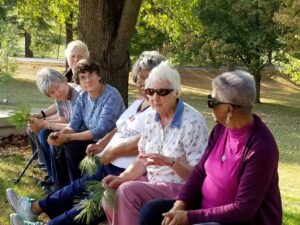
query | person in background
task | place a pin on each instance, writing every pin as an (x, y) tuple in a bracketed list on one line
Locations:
[(75, 51), (53, 84), (172, 141), (116, 150), (236, 181)]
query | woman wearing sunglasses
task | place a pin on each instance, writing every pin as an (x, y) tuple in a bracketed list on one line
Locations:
[(236, 181), (172, 141)]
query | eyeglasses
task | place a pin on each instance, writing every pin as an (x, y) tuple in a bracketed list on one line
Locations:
[(86, 76), (212, 103), (160, 92)]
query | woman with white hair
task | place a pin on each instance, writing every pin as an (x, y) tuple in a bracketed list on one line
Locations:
[(236, 181), (172, 141), (74, 52)]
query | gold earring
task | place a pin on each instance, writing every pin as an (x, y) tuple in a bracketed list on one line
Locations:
[(228, 118)]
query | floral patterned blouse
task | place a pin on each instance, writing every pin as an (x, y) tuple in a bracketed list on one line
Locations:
[(185, 138)]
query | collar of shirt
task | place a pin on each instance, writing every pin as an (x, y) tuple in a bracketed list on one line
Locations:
[(176, 121)]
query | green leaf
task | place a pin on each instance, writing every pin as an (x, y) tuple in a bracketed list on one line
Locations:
[(89, 164)]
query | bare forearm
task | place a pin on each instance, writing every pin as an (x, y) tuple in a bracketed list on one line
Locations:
[(51, 110), (81, 136), (182, 169), (134, 171), (107, 138), (128, 147)]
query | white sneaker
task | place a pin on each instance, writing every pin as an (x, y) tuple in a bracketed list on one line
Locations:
[(15, 219), (21, 205)]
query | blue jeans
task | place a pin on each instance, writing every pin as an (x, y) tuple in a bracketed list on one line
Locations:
[(151, 212), (48, 152), (60, 206)]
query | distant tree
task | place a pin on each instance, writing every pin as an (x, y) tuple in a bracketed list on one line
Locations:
[(8, 43), (106, 27), (171, 27), (43, 23), (244, 32)]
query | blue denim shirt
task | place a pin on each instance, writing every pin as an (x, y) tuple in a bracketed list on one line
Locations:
[(98, 115)]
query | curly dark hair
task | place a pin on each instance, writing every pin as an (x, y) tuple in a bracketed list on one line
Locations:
[(83, 66)]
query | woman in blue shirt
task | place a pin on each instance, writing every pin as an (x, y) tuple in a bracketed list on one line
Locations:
[(95, 113)]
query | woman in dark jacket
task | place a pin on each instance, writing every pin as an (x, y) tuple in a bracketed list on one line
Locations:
[(236, 181)]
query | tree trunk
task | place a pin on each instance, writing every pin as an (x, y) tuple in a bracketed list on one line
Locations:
[(28, 52), (106, 27), (69, 28), (257, 78), (69, 32)]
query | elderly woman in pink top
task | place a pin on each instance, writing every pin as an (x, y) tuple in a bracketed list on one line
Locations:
[(236, 180)]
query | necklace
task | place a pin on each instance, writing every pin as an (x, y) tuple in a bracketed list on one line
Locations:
[(223, 158), (226, 145)]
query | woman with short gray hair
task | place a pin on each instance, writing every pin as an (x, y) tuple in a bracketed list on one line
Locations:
[(237, 87), (236, 181), (75, 51), (146, 62), (45, 79), (53, 84)]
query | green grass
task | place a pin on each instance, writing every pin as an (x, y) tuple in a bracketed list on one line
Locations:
[(280, 110), (22, 92)]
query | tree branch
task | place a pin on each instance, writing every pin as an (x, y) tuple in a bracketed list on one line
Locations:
[(127, 25)]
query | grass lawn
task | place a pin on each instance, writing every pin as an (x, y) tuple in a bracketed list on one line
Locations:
[(280, 110)]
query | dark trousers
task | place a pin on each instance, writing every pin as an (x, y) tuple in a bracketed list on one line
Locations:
[(151, 212), (60, 206), (75, 152)]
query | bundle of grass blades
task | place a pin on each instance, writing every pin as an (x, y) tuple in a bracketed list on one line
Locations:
[(89, 164), (91, 206), (20, 116)]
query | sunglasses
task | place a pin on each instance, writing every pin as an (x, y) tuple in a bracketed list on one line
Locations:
[(160, 92), (212, 103)]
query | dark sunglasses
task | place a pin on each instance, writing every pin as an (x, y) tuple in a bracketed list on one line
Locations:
[(212, 103), (160, 92)]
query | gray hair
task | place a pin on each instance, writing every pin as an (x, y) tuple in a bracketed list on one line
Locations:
[(146, 61), (46, 77), (236, 87), (79, 45), (165, 73)]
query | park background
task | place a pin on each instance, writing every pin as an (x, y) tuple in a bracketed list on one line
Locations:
[(200, 38)]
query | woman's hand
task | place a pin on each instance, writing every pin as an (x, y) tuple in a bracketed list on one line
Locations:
[(112, 181), (93, 149), (175, 217), (156, 159), (36, 124), (58, 138), (107, 156)]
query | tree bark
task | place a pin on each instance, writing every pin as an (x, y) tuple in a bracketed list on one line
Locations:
[(106, 27), (257, 78), (69, 32), (28, 52), (69, 28)]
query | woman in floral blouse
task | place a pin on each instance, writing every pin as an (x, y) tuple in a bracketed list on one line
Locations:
[(172, 141)]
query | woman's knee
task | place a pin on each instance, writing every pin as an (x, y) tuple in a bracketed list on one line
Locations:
[(151, 212)]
